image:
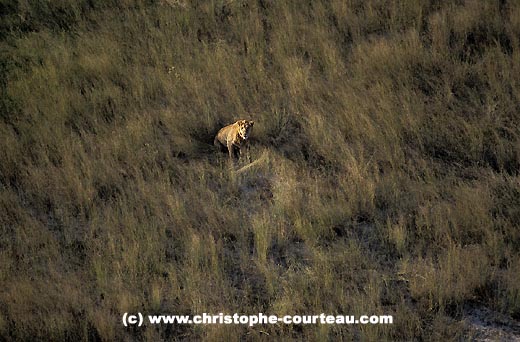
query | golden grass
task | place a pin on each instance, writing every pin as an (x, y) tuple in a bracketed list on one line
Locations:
[(385, 173)]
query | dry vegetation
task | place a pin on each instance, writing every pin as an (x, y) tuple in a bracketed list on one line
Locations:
[(387, 148)]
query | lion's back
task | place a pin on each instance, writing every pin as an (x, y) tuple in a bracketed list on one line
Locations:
[(225, 133)]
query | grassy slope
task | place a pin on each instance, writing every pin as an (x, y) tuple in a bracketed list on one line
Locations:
[(389, 146)]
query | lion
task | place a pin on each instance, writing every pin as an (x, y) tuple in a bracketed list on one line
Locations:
[(235, 137)]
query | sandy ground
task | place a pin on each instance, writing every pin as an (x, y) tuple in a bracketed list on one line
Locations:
[(489, 325)]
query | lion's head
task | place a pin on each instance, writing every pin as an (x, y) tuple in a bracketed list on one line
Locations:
[(244, 128)]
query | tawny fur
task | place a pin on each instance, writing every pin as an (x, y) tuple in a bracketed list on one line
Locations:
[(235, 137)]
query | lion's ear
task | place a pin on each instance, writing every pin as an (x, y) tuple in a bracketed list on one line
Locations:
[(251, 122)]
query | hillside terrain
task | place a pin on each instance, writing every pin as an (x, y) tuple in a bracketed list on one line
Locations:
[(385, 175)]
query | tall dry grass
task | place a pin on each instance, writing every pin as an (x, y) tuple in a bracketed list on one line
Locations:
[(386, 176)]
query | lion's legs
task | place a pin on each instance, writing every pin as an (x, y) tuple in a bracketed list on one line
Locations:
[(245, 150), (219, 145), (232, 152), (248, 153), (236, 153)]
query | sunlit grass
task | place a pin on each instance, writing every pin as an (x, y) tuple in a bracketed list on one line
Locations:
[(384, 176)]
